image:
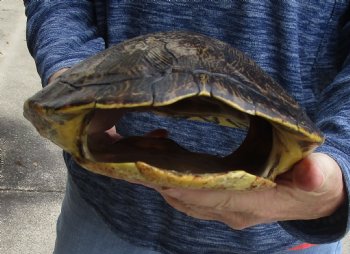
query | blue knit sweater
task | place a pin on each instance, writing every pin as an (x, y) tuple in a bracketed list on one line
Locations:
[(304, 45)]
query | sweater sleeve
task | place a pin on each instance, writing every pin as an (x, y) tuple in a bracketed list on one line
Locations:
[(61, 33), (333, 118)]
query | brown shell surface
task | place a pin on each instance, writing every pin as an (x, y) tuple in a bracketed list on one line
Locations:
[(158, 69)]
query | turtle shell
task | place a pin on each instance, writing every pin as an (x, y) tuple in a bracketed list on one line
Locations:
[(179, 74)]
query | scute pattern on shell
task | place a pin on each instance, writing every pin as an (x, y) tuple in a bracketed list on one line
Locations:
[(159, 68), (208, 79)]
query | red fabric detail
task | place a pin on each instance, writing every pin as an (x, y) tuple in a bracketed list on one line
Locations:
[(302, 246)]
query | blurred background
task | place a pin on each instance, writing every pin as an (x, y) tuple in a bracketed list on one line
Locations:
[(32, 173)]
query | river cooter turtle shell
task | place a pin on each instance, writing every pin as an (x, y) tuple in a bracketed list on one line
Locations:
[(181, 74)]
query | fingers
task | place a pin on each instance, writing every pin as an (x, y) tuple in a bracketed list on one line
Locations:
[(312, 189), (192, 211), (308, 174), (103, 120), (242, 201), (100, 140), (235, 220), (316, 173), (317, 186), (113, 134), (206, 198)]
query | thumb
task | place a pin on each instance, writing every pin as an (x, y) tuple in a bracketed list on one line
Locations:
[(310, 173)]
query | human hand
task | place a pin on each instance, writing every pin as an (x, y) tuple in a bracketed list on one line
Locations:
[(312, 189)]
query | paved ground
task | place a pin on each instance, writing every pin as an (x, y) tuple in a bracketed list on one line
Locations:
[(32, 174)]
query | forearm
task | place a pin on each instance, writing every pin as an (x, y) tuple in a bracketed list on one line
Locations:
[(61, 33)]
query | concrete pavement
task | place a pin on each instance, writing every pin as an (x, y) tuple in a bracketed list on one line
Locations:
[(32, 174)]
